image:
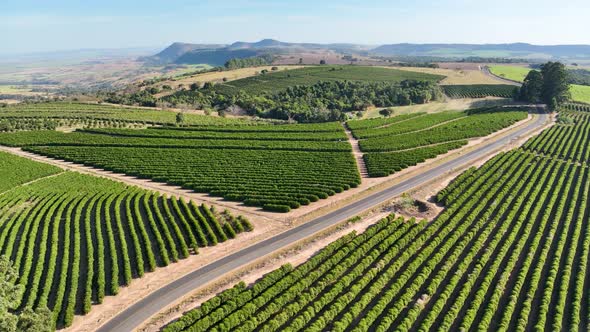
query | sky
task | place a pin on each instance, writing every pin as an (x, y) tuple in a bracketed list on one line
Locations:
[(28, 26)]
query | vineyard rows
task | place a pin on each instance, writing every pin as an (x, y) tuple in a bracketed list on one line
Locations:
[(392, 146), (479, 91), (577, 107), (276, 167), (76, 239), (386, 163), (509, 253), (565, 140), (27, 171), (88, 139), (268, 179), (409, 125), (107, 113)]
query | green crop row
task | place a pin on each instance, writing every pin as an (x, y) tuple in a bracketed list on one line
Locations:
[(509, 252), (568, 141), (387, 163), (479, 91), (409, 125), (475, 125), (76, 239), (95, 139), (256, 177)]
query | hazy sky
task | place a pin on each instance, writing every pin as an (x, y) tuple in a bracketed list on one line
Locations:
[(45, 25)]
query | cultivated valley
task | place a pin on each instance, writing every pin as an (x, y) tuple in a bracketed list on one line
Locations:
[(277, 186)]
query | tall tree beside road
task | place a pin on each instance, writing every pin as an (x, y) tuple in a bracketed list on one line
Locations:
[(549, 86)]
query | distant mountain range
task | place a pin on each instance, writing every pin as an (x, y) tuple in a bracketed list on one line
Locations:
[(218, 54)]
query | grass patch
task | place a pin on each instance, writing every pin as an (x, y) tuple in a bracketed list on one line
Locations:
[(513, 73), (581, 93)]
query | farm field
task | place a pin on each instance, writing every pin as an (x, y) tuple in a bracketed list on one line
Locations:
[(479, 91), (463, 76), (392, 144), (440, 106), (18, 90), (509, 252), (278, 167), (75, 239), (568, 141), (277, 81), (116, 116), (513, 73), (218, 77), (28, 171), (581, 93)]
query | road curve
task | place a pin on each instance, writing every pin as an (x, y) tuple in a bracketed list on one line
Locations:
[(138, 313), (486, 71)]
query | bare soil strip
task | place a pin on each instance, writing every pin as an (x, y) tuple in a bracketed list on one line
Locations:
[(357, 153)]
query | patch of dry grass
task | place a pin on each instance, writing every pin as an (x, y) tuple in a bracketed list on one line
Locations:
[(456, 76), (217, 77)]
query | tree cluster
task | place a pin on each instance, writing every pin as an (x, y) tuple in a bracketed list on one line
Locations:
[(550, 85), (320, 102), (27, 320), (255, 61)]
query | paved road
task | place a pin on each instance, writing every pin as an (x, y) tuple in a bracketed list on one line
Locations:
[(141, 311)]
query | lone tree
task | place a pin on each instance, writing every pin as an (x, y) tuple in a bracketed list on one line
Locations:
[(386, 112), (549, 86), (39, 320), (180, 118)]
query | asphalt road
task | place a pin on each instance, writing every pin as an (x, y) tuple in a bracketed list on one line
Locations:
[(141, 311)]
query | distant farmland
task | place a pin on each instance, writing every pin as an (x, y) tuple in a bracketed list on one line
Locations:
[(580, 93), (274, 82)]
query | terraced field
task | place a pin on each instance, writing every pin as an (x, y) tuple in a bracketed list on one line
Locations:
[(277, 167), (510, 252), (75, 239), (393, 144)]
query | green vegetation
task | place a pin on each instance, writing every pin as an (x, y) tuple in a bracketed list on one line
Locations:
[(256, 61), (27, 320), (549, 86), (96, 115), (315, 94), (480, 91), (566, 140), (105, 139), (275, 82), (393, 144), (579, 76), (27, 171), (513, 73), (75, 239), (578, 80), (509, 252), (581, 93), (266, 166), (387, 163)]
